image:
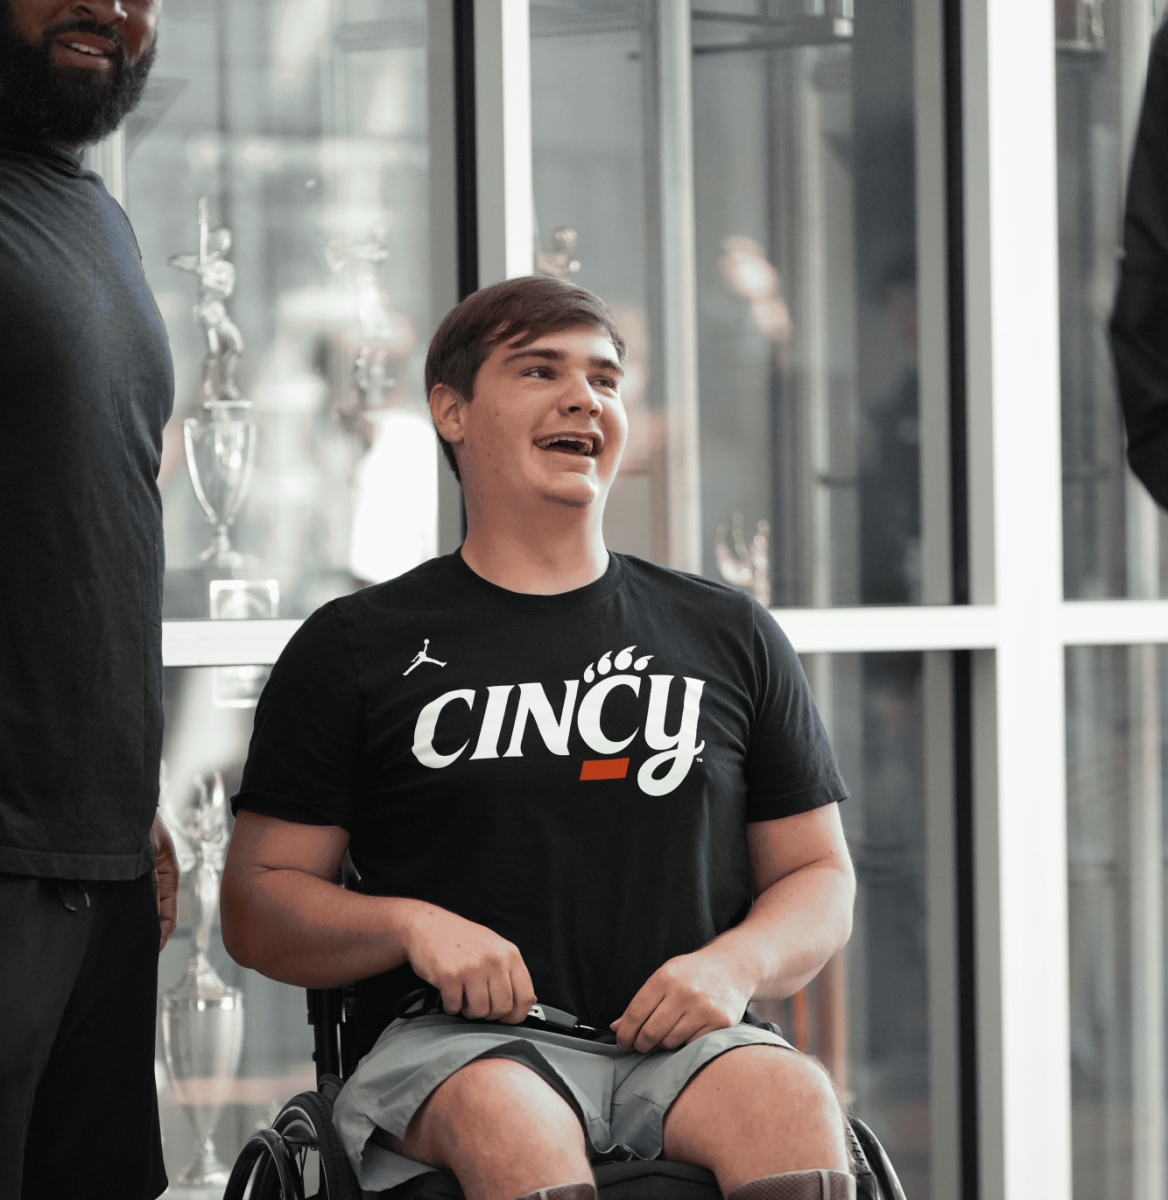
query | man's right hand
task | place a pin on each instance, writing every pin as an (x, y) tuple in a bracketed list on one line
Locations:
[(478, 973)]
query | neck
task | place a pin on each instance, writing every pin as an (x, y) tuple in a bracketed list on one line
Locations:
[(560, 552)]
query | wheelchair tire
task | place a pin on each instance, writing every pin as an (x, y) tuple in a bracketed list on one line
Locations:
[(877, 1163), (306, 1123), (277, 1173), (277, 1156)]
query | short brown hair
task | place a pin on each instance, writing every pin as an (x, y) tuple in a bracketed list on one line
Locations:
[(517, 311)]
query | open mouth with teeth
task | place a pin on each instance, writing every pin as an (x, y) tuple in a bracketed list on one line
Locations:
[(96, 54), (582, 445)]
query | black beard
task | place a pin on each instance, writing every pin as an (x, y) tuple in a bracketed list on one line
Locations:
[(66, 106)]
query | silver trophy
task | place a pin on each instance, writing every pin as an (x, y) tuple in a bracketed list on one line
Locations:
[(221, 443), (202, 1017)]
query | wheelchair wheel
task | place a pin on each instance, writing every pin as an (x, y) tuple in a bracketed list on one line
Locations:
[(873, 1165), (280, 1157)]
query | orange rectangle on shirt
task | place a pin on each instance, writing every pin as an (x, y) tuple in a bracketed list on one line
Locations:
[(604, 768)]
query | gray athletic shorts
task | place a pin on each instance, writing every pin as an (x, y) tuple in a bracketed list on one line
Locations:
[(620, 1096)]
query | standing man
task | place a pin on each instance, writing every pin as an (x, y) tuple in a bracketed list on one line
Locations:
[(564, 775), (87, 871)]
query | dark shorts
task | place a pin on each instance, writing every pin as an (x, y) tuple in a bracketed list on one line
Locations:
[(78, 994), (620, 1096)]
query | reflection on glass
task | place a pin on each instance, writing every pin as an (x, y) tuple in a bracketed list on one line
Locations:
[(1116, 849), (1113, 535), (305, 126)]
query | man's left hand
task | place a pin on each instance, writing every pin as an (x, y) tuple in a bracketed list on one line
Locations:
[(684, 998), (166, 875)]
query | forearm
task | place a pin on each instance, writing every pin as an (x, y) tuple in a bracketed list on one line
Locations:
[(791, 931), (302, 930)]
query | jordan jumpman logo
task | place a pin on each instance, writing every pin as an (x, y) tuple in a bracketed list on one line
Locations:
[(422, 657)]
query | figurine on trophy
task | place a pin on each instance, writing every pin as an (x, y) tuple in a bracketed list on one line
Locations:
[(202, 1017), (220, 445), (216, 277), (560, 262), (383, 337)]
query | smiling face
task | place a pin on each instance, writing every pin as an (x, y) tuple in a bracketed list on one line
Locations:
[(546, 423), (72, 70)]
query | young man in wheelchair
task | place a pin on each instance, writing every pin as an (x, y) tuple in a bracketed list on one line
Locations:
[(566, 776)]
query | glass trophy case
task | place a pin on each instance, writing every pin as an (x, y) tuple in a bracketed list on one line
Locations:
[(276, 175)]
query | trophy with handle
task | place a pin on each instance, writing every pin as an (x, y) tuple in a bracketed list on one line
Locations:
[(221, 443), (202, 1017)]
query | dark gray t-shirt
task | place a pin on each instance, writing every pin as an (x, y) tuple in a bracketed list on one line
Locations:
[(575, 772), (86, 385)]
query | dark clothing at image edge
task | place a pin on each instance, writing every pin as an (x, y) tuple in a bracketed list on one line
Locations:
[(87, 387), (78, 1003), (1139, 322), (575, 771)]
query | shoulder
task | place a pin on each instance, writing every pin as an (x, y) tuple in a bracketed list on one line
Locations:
[(713, 608), (684, 589), (418, 590)]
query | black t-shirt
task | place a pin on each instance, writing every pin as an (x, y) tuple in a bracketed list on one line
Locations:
[(86, 386), (574, 771)]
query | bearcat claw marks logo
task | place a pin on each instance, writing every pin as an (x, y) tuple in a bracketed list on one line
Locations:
[(658, 775)]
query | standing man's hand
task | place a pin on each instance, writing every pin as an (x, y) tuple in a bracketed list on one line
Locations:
[(684, 998), (166, 875)]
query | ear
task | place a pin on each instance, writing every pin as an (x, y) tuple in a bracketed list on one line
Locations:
[(446, 407)]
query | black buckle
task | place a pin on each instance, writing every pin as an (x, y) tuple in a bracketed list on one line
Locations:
[(423, 1001)]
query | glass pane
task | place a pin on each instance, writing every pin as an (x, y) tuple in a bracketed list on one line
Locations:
[(303, 126), (593, 210), (807, 296), (1113, 535), (265, 1057), (866, 1016), (803, 168), (1115, 783)]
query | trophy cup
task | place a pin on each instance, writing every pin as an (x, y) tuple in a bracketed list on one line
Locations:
[(202, 1017), (220, 445)]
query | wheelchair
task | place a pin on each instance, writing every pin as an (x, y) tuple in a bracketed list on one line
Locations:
[(275, 1163)]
